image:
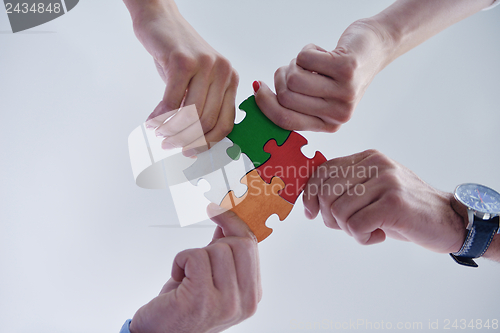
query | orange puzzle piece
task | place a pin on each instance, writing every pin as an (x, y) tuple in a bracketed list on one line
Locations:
[(259, 202)]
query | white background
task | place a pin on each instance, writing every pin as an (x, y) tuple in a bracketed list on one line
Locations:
[(80, 246)]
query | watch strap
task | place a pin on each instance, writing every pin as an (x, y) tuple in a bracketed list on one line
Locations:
[(477, 241)]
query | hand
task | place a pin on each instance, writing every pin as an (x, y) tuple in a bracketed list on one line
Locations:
[(211, 288), (320, 89), (369, 196), (194, 74)]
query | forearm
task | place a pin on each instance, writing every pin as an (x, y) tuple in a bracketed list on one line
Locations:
[(408, 23), (139, 9)]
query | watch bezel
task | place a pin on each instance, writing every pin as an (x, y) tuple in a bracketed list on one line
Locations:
[(480, 214)]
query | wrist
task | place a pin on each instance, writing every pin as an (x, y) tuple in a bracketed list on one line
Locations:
[(145, 10), (411, 22), (460, 219), (482, 220), (386, 41), (391, 36)]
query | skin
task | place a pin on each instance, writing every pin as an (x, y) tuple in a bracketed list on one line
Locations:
[(211, 288), (319, 89), (382, 198), (194, 73)]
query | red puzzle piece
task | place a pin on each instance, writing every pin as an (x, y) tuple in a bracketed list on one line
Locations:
[(288, 163)]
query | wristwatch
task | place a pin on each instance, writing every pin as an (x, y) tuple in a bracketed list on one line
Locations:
[(483, 210)]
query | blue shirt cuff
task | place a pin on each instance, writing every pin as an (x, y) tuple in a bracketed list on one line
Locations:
[(126, 327)]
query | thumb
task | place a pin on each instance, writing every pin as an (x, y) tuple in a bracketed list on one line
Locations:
[(229, 222), (313, 47), (267, 101), (169, 286)]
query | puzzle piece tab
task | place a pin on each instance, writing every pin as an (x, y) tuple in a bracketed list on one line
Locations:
[(220, 171), (252, 133), (289, 164), (210, 160), (227, 178), (258, 203)]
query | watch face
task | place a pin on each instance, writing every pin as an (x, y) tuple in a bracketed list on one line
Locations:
[(479, 198)]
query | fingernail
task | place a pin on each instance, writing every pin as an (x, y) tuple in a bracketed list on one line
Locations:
[(214, 210), (307, 213), (256, 86), (159, 134), (189, 153)]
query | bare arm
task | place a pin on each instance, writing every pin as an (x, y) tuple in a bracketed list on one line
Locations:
[(194, 73), (385, 199), (320, 89), (409, 23)]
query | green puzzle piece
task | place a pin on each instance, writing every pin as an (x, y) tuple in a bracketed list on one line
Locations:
[(252, 133)]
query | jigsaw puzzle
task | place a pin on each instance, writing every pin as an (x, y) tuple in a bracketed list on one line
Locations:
[(222, 172), (252, 133), (258, 203), (257, 171), (288, 163), (268, 181)]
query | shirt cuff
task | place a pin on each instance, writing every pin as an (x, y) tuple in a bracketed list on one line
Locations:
[(126, 327), (494, 4)]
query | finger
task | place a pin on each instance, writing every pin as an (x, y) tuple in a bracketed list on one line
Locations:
[(381, 214), (305, 104), (223, 267), (213, 104), (354, 199), (218, 234), (159, 115), (169, 286), (245, 252), (337, 168), (196, 147), (349, 189), (246, 262), (312, 190), (330, 107), (225, 120), (184, 118), (224, 124), (191, 135), (328, 218), (305, 82), (312, 46), (283, 117), (318, 60), (197, 91), (367, 224), (177, 84), (230, 223), (193, 265)]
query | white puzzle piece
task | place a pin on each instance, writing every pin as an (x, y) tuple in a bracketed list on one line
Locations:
[(222, 172)]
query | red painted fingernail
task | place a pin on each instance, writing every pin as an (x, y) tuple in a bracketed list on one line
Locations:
[(256, 86)]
